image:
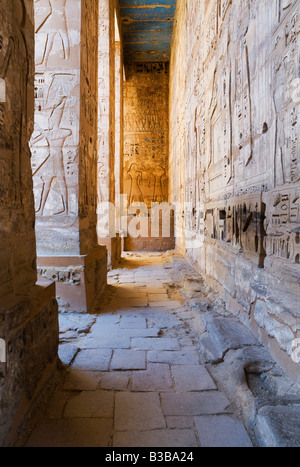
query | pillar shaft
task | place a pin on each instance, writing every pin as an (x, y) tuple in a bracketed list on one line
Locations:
[(64, 145)]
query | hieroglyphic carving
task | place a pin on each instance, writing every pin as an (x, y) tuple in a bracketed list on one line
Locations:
[(220, 162), (286, 71), (239, 222), (56, 132), (283, 225), (146, 133), (242, 115), (151, 67)]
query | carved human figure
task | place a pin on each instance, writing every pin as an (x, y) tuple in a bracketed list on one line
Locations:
[(52, 169), (160, 173), (55, 24), (135, 174)]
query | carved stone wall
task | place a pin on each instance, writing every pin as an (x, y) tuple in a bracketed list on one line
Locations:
[(64, 142), (28, 310), (235, 137), (146, 125)]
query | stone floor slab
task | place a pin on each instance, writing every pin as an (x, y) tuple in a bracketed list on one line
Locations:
[(133, 322), (112, 341), (194, 403), (138, 411), (148, 343), (88, 432), (118, 381), (173, 357), (91, 404), (159, 438), (222, 431), (157, 377), (128, 360), (82, 380), (92, 359), (192, 378)]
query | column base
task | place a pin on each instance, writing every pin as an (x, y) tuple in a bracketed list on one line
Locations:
[(80, 280)]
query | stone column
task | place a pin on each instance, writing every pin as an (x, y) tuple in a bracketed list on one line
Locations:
[(106, 130), (28, 309), (64, 151), (119, 115)]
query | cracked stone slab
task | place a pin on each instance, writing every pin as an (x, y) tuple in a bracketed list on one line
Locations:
[(194, 403), (157, 377), (189, 378), (138, 411), (221, 431), (174, 357), (128, 360), (278, 426), (140, 343)]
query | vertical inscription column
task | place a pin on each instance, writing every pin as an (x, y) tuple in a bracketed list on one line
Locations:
[(64, 147), (106, 128)]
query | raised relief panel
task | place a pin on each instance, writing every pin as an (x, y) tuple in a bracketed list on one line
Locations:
[(220, 125), (146, 133), (55, 134), (240, 223), (286, 76), (283, 225), (242, 115)]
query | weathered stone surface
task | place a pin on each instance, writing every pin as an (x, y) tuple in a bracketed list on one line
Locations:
[(159, 438), (64, 146), (138, 412), (67, 352), (192, 403), (90, 404), (173, 357), (128, 360), (145, 166), (140, 343), (278, 426), (192, 378), (234, 158), (221, 431), (223, 334), (92, 359), (81, 381), (157, 377), (72, 433)]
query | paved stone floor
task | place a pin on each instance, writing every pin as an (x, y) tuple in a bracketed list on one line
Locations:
[(133, 375)]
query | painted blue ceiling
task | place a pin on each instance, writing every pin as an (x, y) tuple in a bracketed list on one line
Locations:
[(147, 27)]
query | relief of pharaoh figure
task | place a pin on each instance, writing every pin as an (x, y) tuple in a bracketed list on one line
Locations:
[(52, 171), (55, 24), (136, 195)]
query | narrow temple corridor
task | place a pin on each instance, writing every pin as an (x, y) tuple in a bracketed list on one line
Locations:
[(150, 223), (133, 374)]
